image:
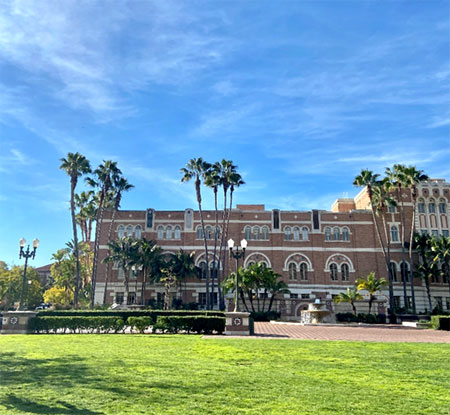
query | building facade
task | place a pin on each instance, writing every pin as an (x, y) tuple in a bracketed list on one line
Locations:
[(318, 253)]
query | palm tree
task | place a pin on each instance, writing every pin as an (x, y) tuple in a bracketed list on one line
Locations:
[(441, 250), (351, 296), (123, 253), (412, 177), (198, 168), (372, 285), (75, 166), (183, 266), (103, 179)]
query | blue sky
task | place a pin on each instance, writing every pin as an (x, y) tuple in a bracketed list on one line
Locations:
[(301, 95)]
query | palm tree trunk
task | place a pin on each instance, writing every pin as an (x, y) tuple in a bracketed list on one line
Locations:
[(370, 302), (222, 250), (241, 293), (96, 249), (413, 297), (427, 286), (215, 263), (354, 308), (272, 298), (75, 242), (250, 298), (208, 269), (388, 263), (144, 280), (264, 299), (108, 265), (402, 238), (125, 272)]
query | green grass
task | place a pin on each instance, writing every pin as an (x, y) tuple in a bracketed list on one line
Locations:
[(144, 374)]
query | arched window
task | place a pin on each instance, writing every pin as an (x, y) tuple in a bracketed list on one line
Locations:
[(345, 234), (404, 271), (209, 232), (303, 271), (217, 232), (394, 233), (169, 232), (287, 233), (292, 271), (265, 232), (333, 272), (345, 272), (203, 270), (305, 232), (296, 233), (138, 232), (442, 206), (394, 271), (129, 230), (121, 231), (255, 232), (336, 234), (199, 232), (248, 233), (431, 206), (328, 234), (421, 206), (160, 232), (177, 232)]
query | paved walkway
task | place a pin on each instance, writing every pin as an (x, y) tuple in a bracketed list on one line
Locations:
[(357, 333)]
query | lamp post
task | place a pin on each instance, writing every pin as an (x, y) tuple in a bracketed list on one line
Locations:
[(237, 255), (26, 254)]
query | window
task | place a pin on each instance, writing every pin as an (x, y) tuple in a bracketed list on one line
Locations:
[(255, 232), (120, 274), (336, 234), (138, 232), (202, 299), (118, 298), (248, 232), (442, 207), (394, 233), (445, 233), (292, 271), (345, 272), (287, 233), (394, 271), (404, 271), (199, 232), (263, 295), (305, 232), (121, 232), (217, 236), (296, 233), (303, 271), (328, 234), (214, 269), (421, 207), (131, 298), (333, 272), (397, 301), (424, 232), (431, 207), (160, 232), (169, 232), (293, 296), (265, 232), (345, 234), (438, 302), (177, 232), (203, 270), (305, 296), (391, 209), (435, 232), (129, 230), (209, 232)]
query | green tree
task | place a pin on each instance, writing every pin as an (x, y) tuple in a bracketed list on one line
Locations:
[(198, 169), (372, 285), (182, 264), (441, 250), (351, 296), (75, 165)]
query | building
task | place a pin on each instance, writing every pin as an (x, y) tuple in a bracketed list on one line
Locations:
[(319, 253)]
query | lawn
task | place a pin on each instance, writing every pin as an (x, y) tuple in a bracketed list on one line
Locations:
[(145, 374)]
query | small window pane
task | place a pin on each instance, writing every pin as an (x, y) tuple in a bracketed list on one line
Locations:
[(442, 207), (303, 271), (305, 233), (292, 271), (160, 232), (120, 231), (345, 272), (431, 208), (421, 207), (138, 232), (177, 232), (333, 272), (169, 232)]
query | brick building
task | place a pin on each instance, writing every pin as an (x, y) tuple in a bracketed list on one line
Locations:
[(319, 253)]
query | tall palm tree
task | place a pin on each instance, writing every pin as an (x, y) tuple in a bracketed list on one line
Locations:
[(183, 266), (441, 250), (75, 165), (412, 177), (197, 169), (372, 285), (351, 296), (103, 180)]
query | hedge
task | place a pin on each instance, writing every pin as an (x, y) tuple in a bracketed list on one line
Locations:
[(140, 323), (265, 315), (440, 322), (189, 324), (73, 323), (360, 318)]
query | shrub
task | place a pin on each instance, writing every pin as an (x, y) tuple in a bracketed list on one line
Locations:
[(73, 323), (361, 318), (140, 323), (440, 322), (197, 324), (265, 315)]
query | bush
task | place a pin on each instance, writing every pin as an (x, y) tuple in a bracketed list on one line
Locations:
[(74, 323), (361, 318), (440, 322), (197, 324), (140, 323), (265, 315)]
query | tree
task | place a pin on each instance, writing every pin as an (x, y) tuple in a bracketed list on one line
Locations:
[(58, 297), (103, 179), (75, 166), (441, 250), (372, 285), (351, 296), (198, 169), (183, 267)]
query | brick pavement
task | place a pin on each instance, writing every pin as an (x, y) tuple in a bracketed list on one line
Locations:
[(355, 333)]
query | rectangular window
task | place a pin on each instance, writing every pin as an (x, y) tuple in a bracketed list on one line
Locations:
[(131, 298), (421, 207), (119, 298), (263, 295), (432, 208), (293, 296), (445, 233), (391, 209), (424, 232), (202, 298), (305, 296), (438, 302), (397, 300), (441, 207)]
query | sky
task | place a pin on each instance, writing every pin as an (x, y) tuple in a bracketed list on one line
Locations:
[(301, 95)]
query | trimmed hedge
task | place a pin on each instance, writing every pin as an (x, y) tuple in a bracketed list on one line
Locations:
[(265, 315), (75, 323), (360, 318), (440, 322), (140, 323), (189, 324)]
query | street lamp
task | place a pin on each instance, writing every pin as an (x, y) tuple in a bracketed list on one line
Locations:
[(26, 254), (237, 255)]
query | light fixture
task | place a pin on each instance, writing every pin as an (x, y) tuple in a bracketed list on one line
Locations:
[(244, 244), (230, 243), (22, 242), (36, 243)]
